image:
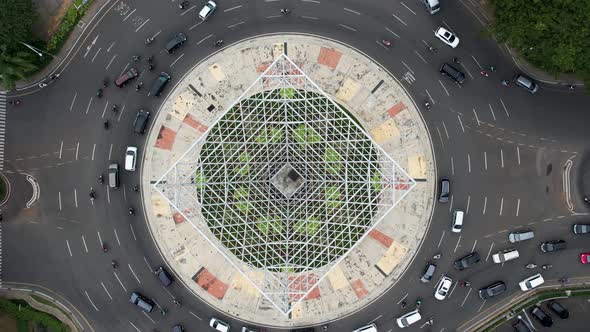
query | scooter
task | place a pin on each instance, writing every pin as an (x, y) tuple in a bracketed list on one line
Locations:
[(183, 4), (114, 264), (285, 11), (131, 211), (99, 93), (104, 247), (531, 266), (218, 42), (386, 42), (149, 40), (100, 179)]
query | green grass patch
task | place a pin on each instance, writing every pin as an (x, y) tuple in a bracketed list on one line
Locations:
[(287, 93), (376, 181), (200, 180), (23, 312)]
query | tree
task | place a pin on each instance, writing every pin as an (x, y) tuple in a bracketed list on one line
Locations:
[(14, 66), (16, 24)]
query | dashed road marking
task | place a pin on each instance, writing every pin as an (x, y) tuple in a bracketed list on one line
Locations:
[(88, 296)]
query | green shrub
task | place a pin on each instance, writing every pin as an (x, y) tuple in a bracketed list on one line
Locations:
[(68, 24), (21, 311)]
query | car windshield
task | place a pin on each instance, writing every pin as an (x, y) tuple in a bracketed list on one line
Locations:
[(451, 38)]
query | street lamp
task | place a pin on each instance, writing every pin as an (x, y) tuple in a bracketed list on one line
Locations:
[(38, 51)]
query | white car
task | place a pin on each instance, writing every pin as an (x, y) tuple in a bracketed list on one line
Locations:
[(531, 282), (447, 37), (442, 288), (219, 325), (408, 319), (207, 10), (130, 158)]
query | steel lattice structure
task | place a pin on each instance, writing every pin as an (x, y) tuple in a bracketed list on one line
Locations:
[(284, 184)]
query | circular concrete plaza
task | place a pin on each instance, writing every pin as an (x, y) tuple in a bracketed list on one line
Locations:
[(291, 180)]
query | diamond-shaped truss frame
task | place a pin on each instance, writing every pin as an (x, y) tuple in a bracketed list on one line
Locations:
[(284, 245)]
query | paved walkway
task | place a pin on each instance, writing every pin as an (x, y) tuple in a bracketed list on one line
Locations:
[(367, 91)]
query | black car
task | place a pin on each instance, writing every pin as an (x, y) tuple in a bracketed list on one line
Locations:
[(551, 246), (445, 190), (141, 120), (428, 273), (177, 328), (492, 290), (126, 77), (175, 42), (452, 73), (541, 316), (159, 84), (581, 229), (559, 309), (467, 261), (521, 326), (163, 276)]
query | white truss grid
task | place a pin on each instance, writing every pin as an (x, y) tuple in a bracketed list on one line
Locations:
[(284, 244)]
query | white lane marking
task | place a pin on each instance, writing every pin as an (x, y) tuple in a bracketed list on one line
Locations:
[(142, 24), (191, 8), (504, 106), (121, 113), (441, 238), (99, 238), (84, 242), (89, 103), (88, 296), (468, 202), (429, 96), (411, 71), (133, 272), (469, 162), (196, 25), (457, 245), (135, 327), (77, 149), (69, 249), (110, 62), (453, 289), (501, 205), (73, 100), (473, 248), (489, 251), (440, 136), (485, 160), (126, 17), (105, 109), (347, 27), (309, 17), (446, 131), (492, 110), (133, 232), (111, 46), (451, 204), (117, 237), (481, 306), (408, 8), (148, 264), (466, 296), (393, 33), (106, 291), (502, 157), (172, 64), (110, 151), (443, 86), (375, 319), (517, 206), (120, 283), (424, 60), (452, 167), (192, 313), (94, 57), (108, 195), (59, 199), (461, 123), (485, 203), (93, 150), (202, 40), (125, 192), (232, 8), (75, 197), (352, 11), (403, 298), (399, 19), (235, 25), (476, 118), (518, 154), (148, 317), (311, 1)]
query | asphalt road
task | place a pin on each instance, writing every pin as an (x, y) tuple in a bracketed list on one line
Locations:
[(503, 149)]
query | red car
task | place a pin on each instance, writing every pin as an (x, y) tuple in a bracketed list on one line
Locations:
[(585, 258)]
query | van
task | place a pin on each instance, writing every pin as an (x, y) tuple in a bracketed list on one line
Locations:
[(113, 175), (520, 236), (408, 319), (142, 302), (452, 73), (130, 158), (432, 6), (445, 190), (526, 83), (367, 328), (505, 255), (457, 221)]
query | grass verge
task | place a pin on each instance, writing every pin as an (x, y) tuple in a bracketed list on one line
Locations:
[(23, 312)]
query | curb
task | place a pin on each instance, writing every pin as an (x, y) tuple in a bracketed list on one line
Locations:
[(8, 186)]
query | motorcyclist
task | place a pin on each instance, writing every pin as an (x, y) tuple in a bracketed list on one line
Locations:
[(104, 247), (106, 124), (99, 93), (100, 179), (386, 42), (114, 264), (219, 42), (285, 11), (131, 211)]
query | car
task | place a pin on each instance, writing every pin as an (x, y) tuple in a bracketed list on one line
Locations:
[(521, 326), (163, 276), (408, 319), (452, 73), (442, 288), (177, 328), (130, 74), (219, 325), (520, 236), (526, 83), (428, 273), (541, 316), (113, 175), (558, 309), (446, 37), (551, 246), (207, 10), (175, 42), (531, 282), (130, 158), (142, 302), (159, 84), (141, 120), (445, 190), (581, 229), (457, 221), (432, 6), (585, 257), (466, 261), (249, 329), (505, 255), (367, 328), (492, 290)]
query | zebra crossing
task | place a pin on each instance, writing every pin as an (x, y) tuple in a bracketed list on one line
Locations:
[(2, 128)]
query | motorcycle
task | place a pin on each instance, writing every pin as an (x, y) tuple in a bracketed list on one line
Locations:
[(386, 42), (464, 283), (138, 86), (531, 266), (104, 247), (92, 194), (149, 40), (183, 4), (285, 11), (100, 179), (135, 58), (115, 108), (437, 256), (418, 303), (218, 42), (99, 93), (114, 264), (136, 188), (105, 83), (427, 105), (547, 266), (106, 124), (131, 211), (403, 304)]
